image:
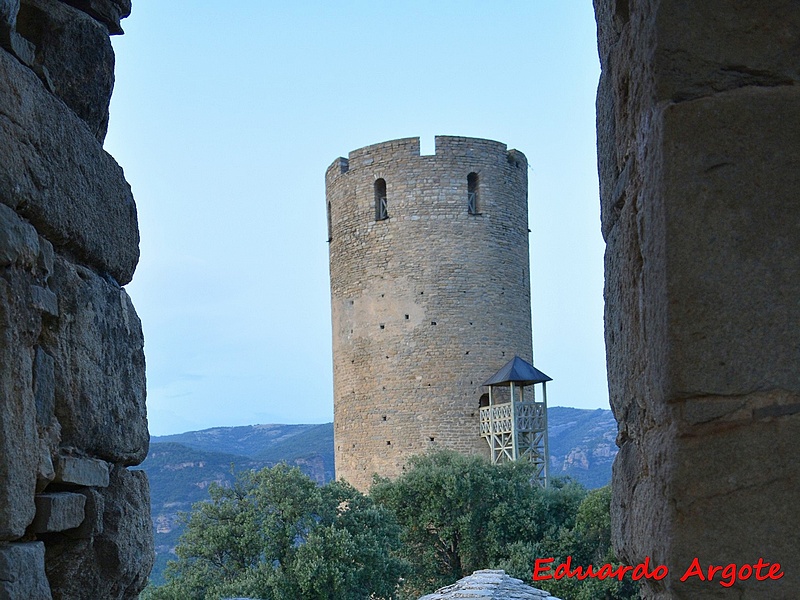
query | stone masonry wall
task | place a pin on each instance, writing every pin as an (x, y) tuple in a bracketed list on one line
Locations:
[(428, 303), (74, 521), (699, 158)]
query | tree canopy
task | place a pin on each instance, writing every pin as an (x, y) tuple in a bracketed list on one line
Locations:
[(461, 513), (276, 535)]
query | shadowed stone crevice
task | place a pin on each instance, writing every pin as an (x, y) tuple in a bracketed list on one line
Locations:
[(730, 77)]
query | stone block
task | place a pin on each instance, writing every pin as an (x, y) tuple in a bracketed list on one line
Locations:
[(707, 47), (75, 470), (8, 12), (109, 12), (739, 503), (100, 369), (58, 512), (93, 522), (730, 179), (22, 575), (19, 243), (19, 442), (18, 46), (114, 562), (75, 51), (44, 300), (57, 176), (489, 585), (9, 38)]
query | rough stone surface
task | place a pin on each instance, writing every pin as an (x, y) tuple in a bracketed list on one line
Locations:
[(415, 296), (699, 159), (76, 52), (19, 244), (109, 12), (489, 585), (9, 38), (100, 377), (74, 470), (8, 12), (18, 46), (72, 386), (44, 300), (58, 512), (20, 327), (57, 176), (22, 575), (115, 558), (19, 443), (44, 386)]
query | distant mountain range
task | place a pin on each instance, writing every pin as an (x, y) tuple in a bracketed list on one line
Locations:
[(182, 466)]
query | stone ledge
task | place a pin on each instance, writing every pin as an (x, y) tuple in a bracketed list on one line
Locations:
[(58, 512), (89, 472)]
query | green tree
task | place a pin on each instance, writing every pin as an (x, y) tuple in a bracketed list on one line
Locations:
[(461, 513), (587, 540), (275, 535)]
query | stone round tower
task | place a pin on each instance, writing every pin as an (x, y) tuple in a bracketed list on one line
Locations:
[(430, 294)]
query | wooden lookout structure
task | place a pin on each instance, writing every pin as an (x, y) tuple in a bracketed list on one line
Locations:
[(512, 422)]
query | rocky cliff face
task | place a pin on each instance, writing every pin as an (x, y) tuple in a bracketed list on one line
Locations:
[(74, 522)]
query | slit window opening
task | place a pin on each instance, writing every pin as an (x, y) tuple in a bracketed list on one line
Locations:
[(473, 197), (381, 205), (330, 227)]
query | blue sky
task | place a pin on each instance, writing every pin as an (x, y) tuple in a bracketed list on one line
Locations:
[(225, 117)]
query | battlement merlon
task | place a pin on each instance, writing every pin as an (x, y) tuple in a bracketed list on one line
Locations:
[(339, 166), (400, 149), (451, 146), (518, 159), (447, 146)]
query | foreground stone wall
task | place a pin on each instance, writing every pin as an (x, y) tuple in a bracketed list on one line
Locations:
[(427, 303), (699, 159), (74, 521)]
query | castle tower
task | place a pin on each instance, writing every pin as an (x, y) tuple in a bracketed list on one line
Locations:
[(430, 294)]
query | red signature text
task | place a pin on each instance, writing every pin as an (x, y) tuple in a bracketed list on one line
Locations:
[(725, 575)]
